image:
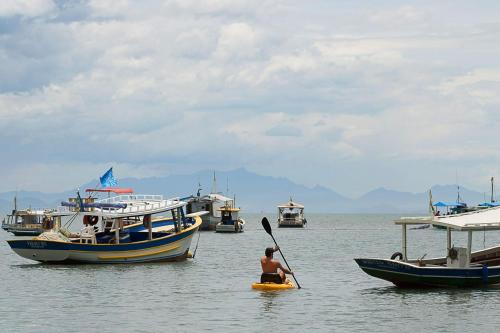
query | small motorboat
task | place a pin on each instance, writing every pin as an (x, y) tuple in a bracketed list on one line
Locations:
[(230, 221)]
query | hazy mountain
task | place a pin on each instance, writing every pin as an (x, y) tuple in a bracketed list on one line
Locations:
[(257, 193)]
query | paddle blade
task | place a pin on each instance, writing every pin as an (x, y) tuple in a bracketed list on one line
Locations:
[(267, 226)]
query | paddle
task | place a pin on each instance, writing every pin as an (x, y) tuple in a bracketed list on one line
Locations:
[(267, 228)]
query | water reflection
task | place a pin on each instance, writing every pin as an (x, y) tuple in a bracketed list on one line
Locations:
[(270, 301)]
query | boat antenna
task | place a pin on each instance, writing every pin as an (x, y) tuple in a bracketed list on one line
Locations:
[(214, 184), (492, 189), (199, 189), (458, 194), (227, 185)]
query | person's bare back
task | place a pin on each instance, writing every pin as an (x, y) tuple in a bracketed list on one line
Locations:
[(270, 266)]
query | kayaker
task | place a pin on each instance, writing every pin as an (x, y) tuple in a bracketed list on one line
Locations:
[(270, 272)]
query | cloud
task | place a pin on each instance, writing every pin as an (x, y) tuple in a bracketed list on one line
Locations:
[(26, 8), (164, 85)]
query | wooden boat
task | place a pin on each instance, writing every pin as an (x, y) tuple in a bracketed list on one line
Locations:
[(291, 215), (25, 222), (459, 268), (230, 221), (128, 232)]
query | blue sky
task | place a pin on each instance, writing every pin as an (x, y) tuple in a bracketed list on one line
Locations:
[(347, 94)]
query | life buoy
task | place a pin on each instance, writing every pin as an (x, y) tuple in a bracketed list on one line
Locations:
[(396, 255), (92, 220)]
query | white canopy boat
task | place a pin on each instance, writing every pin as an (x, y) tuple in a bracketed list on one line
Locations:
[(291, 215)]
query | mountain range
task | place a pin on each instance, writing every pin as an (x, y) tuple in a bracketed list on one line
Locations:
[(258, 193)]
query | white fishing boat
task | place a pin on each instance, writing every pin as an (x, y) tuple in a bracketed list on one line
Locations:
[(291, 215), (125, 228), (230, 221)]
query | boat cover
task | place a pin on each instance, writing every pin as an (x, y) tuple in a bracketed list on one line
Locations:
[(449, 204), (484, 219)]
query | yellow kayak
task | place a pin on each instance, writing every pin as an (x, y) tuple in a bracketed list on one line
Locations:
[(273, 286)]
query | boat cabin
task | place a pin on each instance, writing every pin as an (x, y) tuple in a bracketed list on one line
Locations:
[(291, 214)]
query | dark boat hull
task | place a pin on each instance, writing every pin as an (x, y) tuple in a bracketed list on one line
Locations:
[(410, 275)]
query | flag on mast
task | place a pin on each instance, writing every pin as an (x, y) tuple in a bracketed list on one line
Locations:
[(107, 180)]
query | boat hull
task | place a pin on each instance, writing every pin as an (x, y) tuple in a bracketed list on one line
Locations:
[(290, 225), (230, 228), (168, 248), (404, 274), (25, 232)]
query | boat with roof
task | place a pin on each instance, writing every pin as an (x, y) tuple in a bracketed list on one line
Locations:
[(230, 221), (211, 203), (460, 267), (291, 215), (27, 222), (117, 229)]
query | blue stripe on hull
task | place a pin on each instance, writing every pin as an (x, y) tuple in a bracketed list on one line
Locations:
[(52, 245), (401, 273)]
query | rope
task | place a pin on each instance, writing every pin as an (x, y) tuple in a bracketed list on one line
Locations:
[(196, 248)]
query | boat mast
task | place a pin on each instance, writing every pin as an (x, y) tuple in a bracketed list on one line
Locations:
[(214, 185), (492, 190)]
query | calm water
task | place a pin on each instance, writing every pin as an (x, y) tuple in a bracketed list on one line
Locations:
[(212, 292)]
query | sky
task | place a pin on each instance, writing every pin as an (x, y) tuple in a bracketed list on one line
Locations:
[(351, 95)]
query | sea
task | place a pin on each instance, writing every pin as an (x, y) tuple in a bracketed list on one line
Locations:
[(212, 292)]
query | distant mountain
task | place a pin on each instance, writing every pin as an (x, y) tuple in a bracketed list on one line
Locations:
[(257, 193)]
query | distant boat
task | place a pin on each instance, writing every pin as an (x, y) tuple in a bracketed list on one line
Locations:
[(25, 222), (126, 228), (459, 268), (291, 215), (212, 203), (230, 221)]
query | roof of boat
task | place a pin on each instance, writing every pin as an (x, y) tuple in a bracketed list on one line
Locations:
[(484, 219), (116, 190), (228, 209), (133, 205), (449, 204), (291, 204), (211, 197)]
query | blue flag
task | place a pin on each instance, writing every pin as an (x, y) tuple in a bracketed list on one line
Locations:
[(107, 179)]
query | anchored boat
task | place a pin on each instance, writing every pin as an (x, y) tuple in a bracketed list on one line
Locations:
[(26, 222), (459, 268), (230, 221), (120, 229), (291, 215)]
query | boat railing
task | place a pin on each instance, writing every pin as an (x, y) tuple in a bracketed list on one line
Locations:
[(133, 203), (138, 203), (131, 198)]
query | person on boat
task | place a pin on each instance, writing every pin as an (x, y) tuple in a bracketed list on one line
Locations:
[(270, 268)]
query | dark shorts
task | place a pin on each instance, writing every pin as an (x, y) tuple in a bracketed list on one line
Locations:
[(270, 277)]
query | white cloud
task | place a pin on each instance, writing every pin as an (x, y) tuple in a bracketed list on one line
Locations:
[(27, 8), (169, 82)]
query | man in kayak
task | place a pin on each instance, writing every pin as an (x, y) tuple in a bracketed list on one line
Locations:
[(270, 268)]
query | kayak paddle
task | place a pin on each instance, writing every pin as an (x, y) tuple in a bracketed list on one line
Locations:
[(267, 228)]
